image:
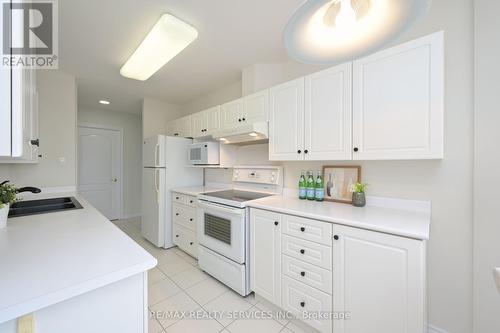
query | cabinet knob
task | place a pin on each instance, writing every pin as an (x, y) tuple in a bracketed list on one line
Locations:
[(306, 151), (239, 119), (176, 134), (302, 229), (302, 251), (176, 236), (276, 223), (190, 243), (191, 219), (243, 119), (176, 214), (303, 273), (336, 237), (190, 201), (302, 304), (356, 149), (299, 151), (176, 198)]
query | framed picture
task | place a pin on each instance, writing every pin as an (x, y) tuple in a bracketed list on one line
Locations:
[(338, 181)]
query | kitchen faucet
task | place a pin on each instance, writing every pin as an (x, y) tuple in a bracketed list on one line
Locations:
[(24, 189)]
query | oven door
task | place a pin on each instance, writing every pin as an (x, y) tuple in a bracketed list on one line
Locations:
[(221, 229)]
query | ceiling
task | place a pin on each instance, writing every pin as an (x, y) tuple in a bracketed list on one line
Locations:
[(97, 37)]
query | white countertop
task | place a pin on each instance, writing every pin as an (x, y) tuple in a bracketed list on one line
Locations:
[(195, 190), (401, 222), (48, 258)]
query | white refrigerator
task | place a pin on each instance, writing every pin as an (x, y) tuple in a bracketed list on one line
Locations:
[(165, 166)]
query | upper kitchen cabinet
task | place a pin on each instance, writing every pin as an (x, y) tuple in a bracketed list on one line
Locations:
[(286, 121), (19, 116), (398, 102), (246, 110), (327, 118), (180, 127), (205, 122)]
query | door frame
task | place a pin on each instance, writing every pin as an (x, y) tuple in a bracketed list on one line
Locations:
[(120, 162)]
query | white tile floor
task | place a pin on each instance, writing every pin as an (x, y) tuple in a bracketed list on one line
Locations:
[(178, 284)]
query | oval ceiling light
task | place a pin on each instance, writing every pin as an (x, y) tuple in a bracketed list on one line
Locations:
[(330, 31), (168, 37), (104, 102)]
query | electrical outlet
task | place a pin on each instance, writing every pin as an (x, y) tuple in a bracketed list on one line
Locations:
[(26, 324)]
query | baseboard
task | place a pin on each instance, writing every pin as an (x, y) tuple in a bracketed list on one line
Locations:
[(434, 329)]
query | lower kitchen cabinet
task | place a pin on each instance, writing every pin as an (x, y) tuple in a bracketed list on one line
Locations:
[(184, 223), (380, 280), (265, 255), (374, 280)]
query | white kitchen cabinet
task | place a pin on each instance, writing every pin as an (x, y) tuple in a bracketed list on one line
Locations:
[(180, 127), (22, 144), (286, 121), (256, 107), (398, 98), (184, 223), (231, 114), (265, 255), (205, 122), (327, 120), (380, 280)]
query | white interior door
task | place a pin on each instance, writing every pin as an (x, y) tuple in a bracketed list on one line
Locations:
[(99, 169)]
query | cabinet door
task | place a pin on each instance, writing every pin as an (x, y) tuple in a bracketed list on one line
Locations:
[(265, 257), (198, 124), (398, 102), (185, 126), (380, 280), (256, 107), (173, 128), (231, 114), (286, 121), (328, 114), (212, 119)]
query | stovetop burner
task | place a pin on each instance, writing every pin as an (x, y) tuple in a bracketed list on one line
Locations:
[(235, 195)]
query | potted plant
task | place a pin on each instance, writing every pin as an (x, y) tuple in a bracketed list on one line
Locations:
[(7, 197), (358, 194)]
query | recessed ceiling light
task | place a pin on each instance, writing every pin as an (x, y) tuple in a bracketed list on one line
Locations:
[(105, 102), (168, 37), (329, 31)]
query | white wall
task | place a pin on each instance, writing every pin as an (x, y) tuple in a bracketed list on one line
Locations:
[(132, 152), (447, 183), (487, 164), (219, 96), (57, 132), (156, 114)]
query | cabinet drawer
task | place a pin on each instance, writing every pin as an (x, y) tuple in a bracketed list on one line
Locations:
[(311, 275), (310, 252), (298, 298), (312, 230), (185, 216), (185, 239), (179, 198), (190, 201)]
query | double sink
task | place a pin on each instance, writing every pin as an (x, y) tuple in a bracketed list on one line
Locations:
[(41, 206)]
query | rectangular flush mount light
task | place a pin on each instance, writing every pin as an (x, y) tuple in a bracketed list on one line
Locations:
[(168, 38)]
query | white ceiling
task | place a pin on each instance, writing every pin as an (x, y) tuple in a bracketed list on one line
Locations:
[(97, 37)]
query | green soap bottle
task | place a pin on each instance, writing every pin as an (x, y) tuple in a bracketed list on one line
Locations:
[(311, 186), (302, 185), (319, 191)]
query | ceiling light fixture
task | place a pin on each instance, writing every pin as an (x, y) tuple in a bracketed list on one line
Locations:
[(253, 134), (330, 31), (104, 102), (168, 37)]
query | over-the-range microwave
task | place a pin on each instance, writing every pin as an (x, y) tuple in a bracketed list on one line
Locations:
[(203, 153)]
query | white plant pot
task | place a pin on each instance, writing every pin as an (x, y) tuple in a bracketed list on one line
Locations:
[(4, 213)]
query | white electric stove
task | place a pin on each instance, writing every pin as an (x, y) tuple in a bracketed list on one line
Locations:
[(223, 224)]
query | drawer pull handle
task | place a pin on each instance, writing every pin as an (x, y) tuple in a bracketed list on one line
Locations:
[(336, 237), (302, 251), (191, 219), (302, 229), (303, 273), (190, 243), (176, 236), (176, 198), (176, 214), (276, 223), (302, 304), (190, 201)]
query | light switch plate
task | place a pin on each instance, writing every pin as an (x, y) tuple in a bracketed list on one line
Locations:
[(496, 274), (26, 324)]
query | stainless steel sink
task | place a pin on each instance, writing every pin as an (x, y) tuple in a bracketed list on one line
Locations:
[(42, 206)]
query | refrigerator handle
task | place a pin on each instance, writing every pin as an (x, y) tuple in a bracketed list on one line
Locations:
[(157, 187), (157, 153)]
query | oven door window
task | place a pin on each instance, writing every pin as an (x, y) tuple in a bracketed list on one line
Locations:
[(218, 228)]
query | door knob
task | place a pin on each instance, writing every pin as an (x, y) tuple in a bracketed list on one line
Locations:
[(114, 180)]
